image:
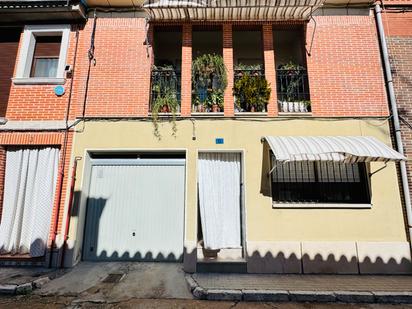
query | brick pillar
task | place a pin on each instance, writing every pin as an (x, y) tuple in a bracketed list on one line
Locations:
[(270, 69), (228, 60), (186, 104)]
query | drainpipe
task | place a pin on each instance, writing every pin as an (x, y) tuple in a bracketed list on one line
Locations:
[(396, 123), (69, 210)]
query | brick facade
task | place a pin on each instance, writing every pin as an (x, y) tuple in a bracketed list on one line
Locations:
[(344, 68), (398, 30)]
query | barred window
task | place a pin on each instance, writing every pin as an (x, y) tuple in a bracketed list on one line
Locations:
[(319, 182)]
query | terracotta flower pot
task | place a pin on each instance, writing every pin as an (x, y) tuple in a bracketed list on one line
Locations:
[(200, 108), (165, 109), (215, 108), (252, 109)]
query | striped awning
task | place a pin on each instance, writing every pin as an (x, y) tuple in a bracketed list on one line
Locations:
[(345, 149), (225, 10)]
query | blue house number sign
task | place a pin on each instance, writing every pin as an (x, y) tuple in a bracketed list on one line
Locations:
[(59, 90), (220, 141)]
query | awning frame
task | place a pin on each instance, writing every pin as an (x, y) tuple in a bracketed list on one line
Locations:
[(225, 10), (345, 149)]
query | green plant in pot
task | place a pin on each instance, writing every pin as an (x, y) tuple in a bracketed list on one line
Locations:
[(216, 101), (164, 96), (252, 92), (209, 81)]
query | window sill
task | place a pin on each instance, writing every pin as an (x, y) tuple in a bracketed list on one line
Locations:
[(208, 114), (320, 206), (295, 114), (38, 81), (165, 115), (251, 114)]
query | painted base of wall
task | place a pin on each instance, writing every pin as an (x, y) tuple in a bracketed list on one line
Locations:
[(329, 257)]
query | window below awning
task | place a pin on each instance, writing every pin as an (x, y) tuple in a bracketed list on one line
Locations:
[(345, 149), (226, 10)]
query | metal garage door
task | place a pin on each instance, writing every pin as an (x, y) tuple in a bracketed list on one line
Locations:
[(135, 210)]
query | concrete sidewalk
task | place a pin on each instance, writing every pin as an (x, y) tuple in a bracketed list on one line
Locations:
[(302, 288), (105, 282), (23, 280)]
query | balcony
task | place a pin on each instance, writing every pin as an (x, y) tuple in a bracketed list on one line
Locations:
[(230, 83), (251, 89), (292, 89)]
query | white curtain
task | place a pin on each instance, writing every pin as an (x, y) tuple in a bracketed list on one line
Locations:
[(219, 199), (29, 188), (46, 67)]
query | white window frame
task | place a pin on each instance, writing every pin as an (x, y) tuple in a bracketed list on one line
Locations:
[(26, 54)]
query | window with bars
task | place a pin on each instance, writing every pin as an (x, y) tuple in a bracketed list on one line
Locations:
[(319, 182)]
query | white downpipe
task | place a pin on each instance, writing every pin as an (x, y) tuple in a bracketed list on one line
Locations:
[(394, 108)]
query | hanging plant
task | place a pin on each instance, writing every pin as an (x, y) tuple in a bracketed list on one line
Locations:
[(209, 81), (164, 96), (252, 92)]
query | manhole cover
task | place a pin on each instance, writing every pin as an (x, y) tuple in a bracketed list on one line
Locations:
[(113, 278)]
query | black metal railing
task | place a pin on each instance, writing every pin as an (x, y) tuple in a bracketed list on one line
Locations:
[(293, 90), (165, 82), (238, 74)]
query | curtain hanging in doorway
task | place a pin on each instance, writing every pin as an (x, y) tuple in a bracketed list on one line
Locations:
[(219, 199), (29, 187)]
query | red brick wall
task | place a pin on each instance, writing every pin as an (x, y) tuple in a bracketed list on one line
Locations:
[(398, 30), (120, 79), (344, 68), (228, 60), (186, 70), (38, 102), (270, 69), (9, 42)]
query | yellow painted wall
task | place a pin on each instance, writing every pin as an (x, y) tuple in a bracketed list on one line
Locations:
[(383, 222)]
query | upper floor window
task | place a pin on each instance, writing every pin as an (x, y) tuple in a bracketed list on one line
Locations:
[(43, 53), (46, 56)]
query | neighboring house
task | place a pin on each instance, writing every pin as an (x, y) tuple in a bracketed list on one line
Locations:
[(166, 165), (397, 21), (37, 42)]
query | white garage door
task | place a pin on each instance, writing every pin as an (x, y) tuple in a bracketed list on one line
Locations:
[(135, 210)]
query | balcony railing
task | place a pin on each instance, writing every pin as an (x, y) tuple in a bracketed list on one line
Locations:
[(165, 82), (240, 104), (293, 90)]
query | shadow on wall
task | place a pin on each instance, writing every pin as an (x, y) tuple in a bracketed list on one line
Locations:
[(297, 263), (292, 257), (89, 250)]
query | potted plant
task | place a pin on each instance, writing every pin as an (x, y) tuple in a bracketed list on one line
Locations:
[(209, 80), (252, 92), (289, 85), (216, 101), (164, 96)]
